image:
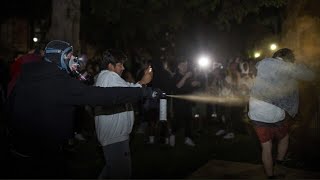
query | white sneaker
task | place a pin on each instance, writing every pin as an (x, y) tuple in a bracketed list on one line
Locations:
[(172, 140), (223, 119), (229, 136), (220, 132), (166, 141), (189, 142), (79, 137), (151, 140)]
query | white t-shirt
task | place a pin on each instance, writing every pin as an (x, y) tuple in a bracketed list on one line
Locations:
[(264, 112)]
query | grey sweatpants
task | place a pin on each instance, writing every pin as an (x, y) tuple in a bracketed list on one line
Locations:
[(118, 161)]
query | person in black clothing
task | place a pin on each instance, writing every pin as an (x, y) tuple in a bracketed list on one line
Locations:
[(162, 79), (41, 111), (185, 85)]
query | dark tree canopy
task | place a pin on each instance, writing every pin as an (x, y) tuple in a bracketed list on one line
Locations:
[(31, 8), (140, 21)]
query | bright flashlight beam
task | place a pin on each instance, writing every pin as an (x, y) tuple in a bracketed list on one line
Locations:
[(35, 39), (203, 61), (257, 54), (273, 47)]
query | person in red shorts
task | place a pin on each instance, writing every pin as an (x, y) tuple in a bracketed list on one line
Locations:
[(274, 95)]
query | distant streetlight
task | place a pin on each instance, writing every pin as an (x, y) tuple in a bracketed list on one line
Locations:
[(35, 39), (257, 54), (273, 47)]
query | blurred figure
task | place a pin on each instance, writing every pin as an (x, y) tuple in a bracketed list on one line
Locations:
[(142, 109), (162, 79), (33, 55), (82, 123), (226, 116), (182, 108), (273, 97), (4, 76)]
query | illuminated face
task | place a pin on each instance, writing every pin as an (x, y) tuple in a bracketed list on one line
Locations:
[(183, 67), (118, 68)]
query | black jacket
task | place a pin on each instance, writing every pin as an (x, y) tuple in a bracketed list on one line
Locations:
[(43, 102)]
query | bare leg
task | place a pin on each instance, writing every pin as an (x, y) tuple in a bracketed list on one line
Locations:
[(283, 147), (267, 157)]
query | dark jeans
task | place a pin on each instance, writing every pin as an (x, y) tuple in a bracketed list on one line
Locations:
[(44, 166), (118, 161), (182, 117), (33, 159)]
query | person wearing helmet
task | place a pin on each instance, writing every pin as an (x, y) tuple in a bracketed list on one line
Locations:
[(273, 97), (41, 110), (114, 125)]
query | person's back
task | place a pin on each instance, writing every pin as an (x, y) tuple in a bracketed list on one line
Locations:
[(40, 109), (276, 82)]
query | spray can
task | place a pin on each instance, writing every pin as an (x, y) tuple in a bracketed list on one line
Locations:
[(163, 107), (163, 125)]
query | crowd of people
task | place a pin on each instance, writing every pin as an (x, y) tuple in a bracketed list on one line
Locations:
[(44, 88)]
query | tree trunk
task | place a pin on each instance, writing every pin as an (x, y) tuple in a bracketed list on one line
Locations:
[(65, 22)]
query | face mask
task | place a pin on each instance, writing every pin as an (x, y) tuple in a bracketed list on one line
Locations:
[(76, 65)]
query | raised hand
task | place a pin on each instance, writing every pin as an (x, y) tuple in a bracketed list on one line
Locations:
[(147, 77)]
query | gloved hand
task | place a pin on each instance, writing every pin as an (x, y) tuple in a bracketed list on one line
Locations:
[(152, 93)]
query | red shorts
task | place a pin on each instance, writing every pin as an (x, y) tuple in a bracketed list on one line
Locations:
[(267, 132)]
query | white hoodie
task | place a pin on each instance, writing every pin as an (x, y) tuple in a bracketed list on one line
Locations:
[(116, 127)]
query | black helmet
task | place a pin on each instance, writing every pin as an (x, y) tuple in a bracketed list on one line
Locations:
[(56, 51), (286, 54)]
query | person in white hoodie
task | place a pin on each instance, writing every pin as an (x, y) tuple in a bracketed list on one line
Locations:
[(114, 125)]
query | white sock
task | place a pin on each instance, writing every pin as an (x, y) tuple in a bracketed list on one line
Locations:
[(151, 139)]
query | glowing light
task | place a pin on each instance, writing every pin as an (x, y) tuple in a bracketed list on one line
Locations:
[(35, 39), (257, 54), (204, 61), (273, 47)]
